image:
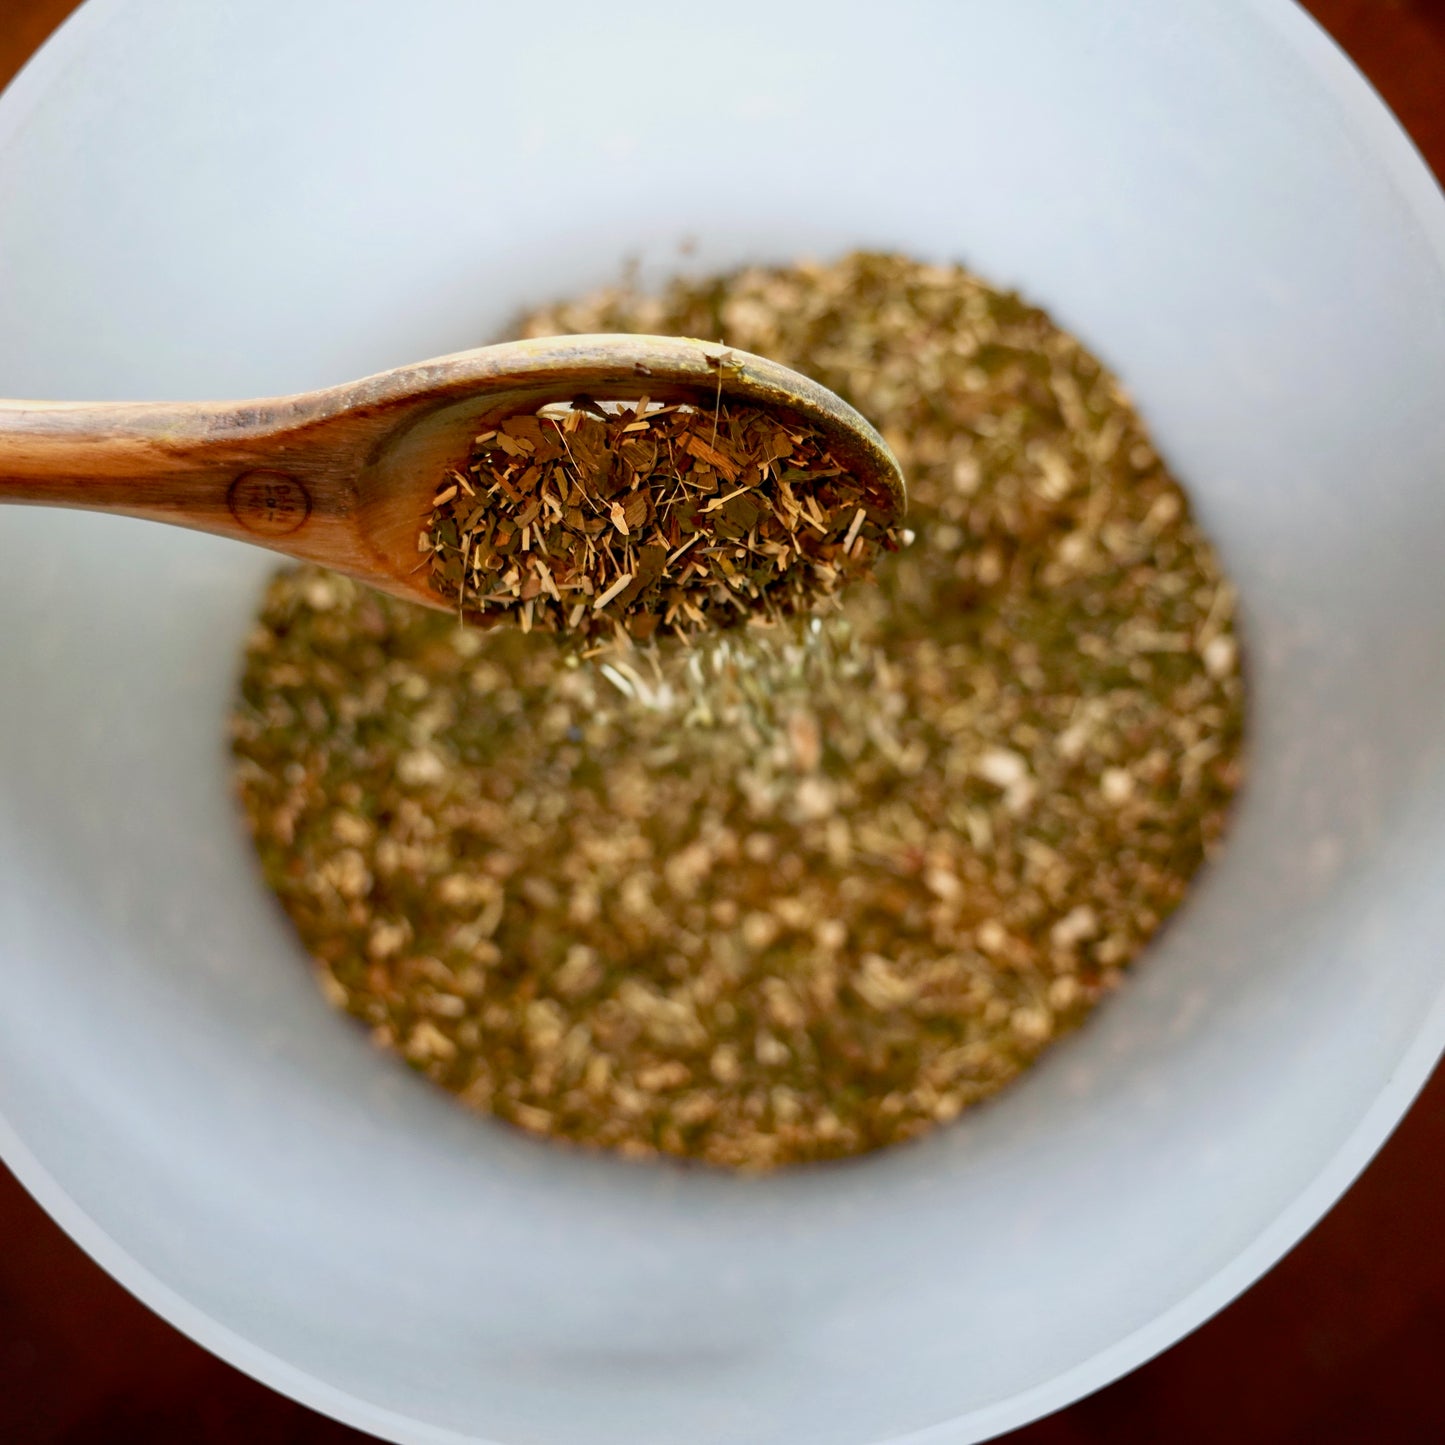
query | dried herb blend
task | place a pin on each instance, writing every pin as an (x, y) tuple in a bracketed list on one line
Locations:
[(795, 892), (661, 518)]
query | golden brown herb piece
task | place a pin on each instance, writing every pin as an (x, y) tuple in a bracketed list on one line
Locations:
[(660, 518)]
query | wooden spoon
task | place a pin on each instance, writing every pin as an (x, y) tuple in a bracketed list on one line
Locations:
[(346, 476)]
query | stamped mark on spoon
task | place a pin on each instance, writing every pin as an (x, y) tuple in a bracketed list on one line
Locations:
[(271, 504)]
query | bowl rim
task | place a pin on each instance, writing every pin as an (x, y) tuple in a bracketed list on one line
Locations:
[(1390, 145)]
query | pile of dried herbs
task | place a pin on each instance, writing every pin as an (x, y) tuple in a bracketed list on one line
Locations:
[(795, 892), (661, 518)]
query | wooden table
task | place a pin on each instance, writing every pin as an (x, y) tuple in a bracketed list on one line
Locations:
[(1339, 1345)]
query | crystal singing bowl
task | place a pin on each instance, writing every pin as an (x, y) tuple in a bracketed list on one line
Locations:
[(202, 201)]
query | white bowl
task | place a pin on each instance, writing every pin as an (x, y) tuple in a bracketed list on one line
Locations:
[(204, 200)]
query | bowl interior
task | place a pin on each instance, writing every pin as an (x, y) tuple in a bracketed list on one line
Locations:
[(201, 201)]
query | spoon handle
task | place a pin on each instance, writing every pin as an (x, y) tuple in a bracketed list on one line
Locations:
[(235, 471)]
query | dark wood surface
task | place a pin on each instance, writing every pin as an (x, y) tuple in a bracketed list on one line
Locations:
[(1340, 1345)]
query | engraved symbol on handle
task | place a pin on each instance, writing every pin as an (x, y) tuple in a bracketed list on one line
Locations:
[(271, 504)]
